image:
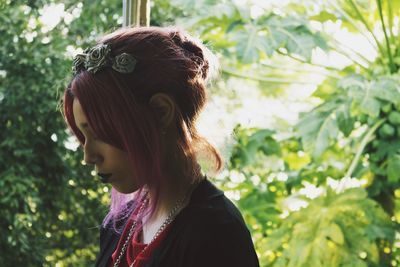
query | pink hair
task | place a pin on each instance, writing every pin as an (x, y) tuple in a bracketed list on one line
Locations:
[(116, 105)]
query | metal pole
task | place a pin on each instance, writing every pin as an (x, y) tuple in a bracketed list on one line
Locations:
[(126, 13), (135, 13)]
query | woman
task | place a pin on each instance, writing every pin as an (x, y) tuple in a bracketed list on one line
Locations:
[(132, 104)]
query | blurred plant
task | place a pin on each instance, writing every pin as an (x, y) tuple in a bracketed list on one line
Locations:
[(281, 178), (334, 230), (49, 206), (350, 139)]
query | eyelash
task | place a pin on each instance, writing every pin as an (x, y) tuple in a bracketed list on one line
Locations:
[(93, 137)]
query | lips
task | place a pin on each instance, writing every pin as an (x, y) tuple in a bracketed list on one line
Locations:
[(104, 177)]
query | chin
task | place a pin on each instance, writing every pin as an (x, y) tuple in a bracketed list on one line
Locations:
[(125, 189)]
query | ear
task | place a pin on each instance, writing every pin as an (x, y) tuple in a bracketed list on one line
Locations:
[(164, 107)]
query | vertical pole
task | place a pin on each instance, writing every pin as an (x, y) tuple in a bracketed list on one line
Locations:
[(126, 13), (135, 13), (144, 18)]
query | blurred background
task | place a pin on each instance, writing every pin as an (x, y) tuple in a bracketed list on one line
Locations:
[(305, 110)]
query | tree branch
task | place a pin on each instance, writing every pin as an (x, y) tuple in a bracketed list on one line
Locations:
[(262, 79), (361, 17), (391, 63), (364, 142), (306, 62)]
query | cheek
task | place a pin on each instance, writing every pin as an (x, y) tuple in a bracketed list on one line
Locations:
[(117, 157), (125, 163)]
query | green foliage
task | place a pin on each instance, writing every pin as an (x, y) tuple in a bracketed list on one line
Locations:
[(318, 128), (267, 34), (352, 132), (349, 225), (45, 218), (251, 39), (393, 168), (334, 230), (50, 206), (248, 148)]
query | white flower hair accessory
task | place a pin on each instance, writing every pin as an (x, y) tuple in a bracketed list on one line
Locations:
[(98, 57)]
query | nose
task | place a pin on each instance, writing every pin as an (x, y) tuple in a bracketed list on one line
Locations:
[(89, 160), (90, 157)]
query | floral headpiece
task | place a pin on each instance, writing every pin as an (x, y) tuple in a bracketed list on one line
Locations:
[(96, 58)]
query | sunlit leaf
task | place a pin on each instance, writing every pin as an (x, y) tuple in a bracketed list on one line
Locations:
[(334, 232), (318, 128)]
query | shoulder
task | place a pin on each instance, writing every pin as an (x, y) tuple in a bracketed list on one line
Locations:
[(215, 212), (209, 205), (218, 221), (213, 233)]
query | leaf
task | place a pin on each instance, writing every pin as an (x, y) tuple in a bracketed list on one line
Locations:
[(326, 89), (261, 135), (272, 32), (294, 34), (334, 232), (374, 232), (352, 81), (248, 148), (324, 16), (363, 94), (321, 126), (271, 147), (264, 141), (300, 255), (296, 162), (349, 219), (387, 148), (344, 119), (250, 43), (350, 195), (393, 169), (368, 95), (386, 89)]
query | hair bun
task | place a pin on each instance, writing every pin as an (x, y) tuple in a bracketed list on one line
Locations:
[(194, 49)]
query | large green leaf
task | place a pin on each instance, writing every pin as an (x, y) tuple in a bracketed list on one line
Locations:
[(359, 89), (333, 230), (250, 42), (294, 34), (368, 95), (247, 150), (386, 88), (270, 33), (321, 126)]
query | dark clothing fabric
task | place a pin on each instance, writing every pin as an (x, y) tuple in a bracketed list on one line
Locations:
[(208, 232)]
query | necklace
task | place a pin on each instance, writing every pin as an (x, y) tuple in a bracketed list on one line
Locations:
[(167, 221)]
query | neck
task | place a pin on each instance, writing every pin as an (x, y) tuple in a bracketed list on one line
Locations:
[(173, 189)]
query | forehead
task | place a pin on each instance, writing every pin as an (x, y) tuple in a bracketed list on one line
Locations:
[(79, 116)]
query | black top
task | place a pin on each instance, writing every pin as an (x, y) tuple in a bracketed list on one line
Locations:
[(208, 232)]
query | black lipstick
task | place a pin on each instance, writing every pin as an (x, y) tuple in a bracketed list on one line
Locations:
[(104, 177)]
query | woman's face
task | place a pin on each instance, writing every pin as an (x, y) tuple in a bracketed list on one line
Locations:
[(108, 160)]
